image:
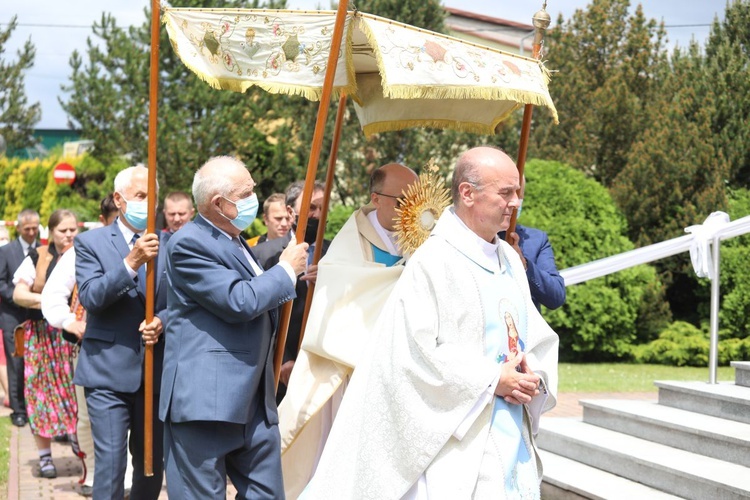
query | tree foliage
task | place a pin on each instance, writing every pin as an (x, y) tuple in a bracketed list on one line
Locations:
[(603, 86), (109, 99), (17, 116), (601, 318), (673, 176), (727, 80)]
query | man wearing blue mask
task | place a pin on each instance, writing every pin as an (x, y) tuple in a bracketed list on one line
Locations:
[(218, 402), (110, 272)]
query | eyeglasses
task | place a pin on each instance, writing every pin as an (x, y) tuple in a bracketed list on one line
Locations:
[(399, 199)]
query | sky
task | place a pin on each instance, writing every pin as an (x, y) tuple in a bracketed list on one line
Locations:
[(58, 28)]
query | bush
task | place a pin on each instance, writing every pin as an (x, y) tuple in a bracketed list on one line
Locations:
[(602, 318), (682, 344)]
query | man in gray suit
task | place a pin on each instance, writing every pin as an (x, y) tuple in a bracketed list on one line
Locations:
[(11, 256), (110, 273), (218, 400)]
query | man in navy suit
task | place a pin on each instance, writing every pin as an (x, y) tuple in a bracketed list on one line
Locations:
[(533, 246), (110, 273), (11, 256), (218, 399)]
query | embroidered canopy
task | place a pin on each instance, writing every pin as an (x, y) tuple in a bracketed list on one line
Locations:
[(398, 76)]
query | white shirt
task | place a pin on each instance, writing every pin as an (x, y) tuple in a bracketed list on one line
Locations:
[(57, 291), (128, 235), (388, 237), (24, 246)]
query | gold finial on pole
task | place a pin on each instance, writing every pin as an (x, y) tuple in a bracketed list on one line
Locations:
[(541, 21)]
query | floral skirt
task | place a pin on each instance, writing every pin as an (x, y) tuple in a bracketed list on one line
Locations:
[(48, 381)]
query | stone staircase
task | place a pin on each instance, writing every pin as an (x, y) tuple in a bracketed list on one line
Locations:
[(694, 443)]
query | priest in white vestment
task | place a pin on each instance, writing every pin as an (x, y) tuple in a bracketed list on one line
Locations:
[(446, 400), (354, 280)]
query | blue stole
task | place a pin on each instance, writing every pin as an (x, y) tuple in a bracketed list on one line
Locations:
[(383, 257), (505, 311)]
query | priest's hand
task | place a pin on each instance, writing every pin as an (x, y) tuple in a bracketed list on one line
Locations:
[(311, 274), (518, 384)]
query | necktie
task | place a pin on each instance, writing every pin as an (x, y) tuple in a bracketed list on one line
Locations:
[(141, 270)]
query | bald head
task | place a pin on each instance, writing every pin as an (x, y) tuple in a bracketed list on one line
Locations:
[(387, 185), (485, 190)]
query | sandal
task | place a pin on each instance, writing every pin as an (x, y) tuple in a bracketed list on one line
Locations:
[(46, 467)]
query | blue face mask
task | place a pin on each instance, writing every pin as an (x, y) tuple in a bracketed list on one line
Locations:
[(247, 209), (518, 210), (136, 213)]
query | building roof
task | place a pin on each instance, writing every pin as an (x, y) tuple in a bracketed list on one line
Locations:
[(494, 31)]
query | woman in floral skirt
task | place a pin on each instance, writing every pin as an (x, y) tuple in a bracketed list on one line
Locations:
[(48, 372)]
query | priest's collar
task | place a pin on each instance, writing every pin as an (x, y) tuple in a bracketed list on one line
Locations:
[(388, 237), (487, 255)]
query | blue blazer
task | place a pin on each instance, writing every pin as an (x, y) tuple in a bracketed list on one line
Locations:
[(112, 350), (546, 284), (221, 329)]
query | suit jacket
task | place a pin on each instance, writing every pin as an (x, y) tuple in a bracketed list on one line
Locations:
[(112, 350), (11, 256), (547, 286), (268, 253), (221, 329)]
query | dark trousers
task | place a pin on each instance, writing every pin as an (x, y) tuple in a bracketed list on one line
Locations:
[(199, 455), (112, 415), (14, 366)]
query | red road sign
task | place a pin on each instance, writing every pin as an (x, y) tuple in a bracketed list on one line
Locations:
[(64, 173)]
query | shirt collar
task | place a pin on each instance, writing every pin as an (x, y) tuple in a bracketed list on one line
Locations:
[(126, 232), (219, 229)]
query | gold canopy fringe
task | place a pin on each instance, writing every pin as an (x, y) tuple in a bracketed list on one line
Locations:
[(241, 86), (475, 128), (452, 92)]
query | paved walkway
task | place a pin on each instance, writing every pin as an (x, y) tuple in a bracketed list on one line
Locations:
[(24, 481)]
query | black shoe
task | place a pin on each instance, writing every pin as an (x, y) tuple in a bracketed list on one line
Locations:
[(47, 468), (86, 491), (18, 419)]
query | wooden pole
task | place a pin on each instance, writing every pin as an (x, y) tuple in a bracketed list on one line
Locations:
[(148, 362), (324, 211), (541, 22), (312, 167)]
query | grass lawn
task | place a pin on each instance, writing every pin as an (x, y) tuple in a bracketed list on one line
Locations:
[(623, 377), (4, 454)]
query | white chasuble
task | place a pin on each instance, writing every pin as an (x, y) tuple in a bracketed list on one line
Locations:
[(424, 370)]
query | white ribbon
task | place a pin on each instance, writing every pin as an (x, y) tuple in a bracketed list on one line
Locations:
[(700, 248)]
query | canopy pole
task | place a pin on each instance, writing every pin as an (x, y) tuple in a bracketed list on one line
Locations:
[(312, 165), (148, 379), (541, 21), (332, 158)]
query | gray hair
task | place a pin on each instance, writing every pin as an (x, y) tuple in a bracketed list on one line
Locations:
[(206, 185), (124, 178), (295, 189), (27, 213), (465, 171)]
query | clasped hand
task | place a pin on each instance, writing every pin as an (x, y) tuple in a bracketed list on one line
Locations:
[(517, 387), (146, 247), (151, 331), (296, 255)]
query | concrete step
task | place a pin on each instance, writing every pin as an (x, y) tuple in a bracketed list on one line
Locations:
[(723, 400), (703, 434), (664, 468), (565, 478), (741, 373)]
